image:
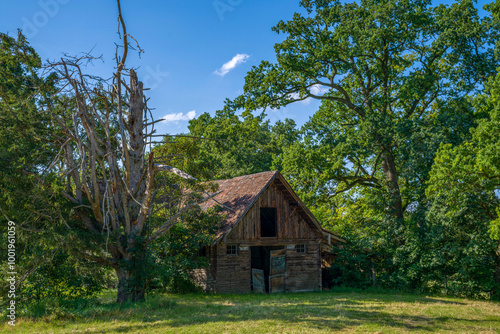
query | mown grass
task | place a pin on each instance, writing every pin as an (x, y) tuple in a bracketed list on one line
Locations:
[(320, 312)]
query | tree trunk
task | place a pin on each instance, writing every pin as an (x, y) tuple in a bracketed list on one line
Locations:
[(130, 286), (496, 291), (373, 274), (391, 176)]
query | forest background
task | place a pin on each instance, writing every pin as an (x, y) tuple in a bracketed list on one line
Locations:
[(401, 157)]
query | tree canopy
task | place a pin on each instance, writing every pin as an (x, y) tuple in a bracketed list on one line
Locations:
[(395, 79), (380, 69), (84, 166), (402, 156)]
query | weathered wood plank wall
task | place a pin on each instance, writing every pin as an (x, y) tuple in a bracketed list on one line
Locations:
[(289, 223), (233, 272), (303, 271)]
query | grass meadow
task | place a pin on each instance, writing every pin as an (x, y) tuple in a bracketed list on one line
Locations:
[(315, 312)]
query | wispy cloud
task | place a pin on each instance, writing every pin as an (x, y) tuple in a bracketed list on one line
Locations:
[(240, 58), (318, 90), (315, 90), (179, 116)]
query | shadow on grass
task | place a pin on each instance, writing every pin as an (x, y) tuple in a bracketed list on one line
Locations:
[(349, 319), (320, 311), (323, 311)]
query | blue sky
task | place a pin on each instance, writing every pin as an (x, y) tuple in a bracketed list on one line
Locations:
[(186, 44)]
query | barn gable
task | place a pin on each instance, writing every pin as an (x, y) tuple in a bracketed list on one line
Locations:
[(290, 222), (241, 197), (264, 222), (236, 196)]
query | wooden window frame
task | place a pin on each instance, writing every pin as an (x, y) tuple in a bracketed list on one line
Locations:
[(301, 248), (232, 250)]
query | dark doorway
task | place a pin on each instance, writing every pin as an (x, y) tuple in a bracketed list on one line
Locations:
[(261, 256)]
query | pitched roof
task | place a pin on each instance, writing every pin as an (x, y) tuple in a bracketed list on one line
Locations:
[(236, 196)]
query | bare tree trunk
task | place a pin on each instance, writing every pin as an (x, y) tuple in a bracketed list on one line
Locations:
[(110, 175), (392, 178)]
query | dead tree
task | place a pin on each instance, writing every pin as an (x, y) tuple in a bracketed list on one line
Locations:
[(107, 168)]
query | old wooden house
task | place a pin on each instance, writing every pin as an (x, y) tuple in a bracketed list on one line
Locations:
[(269, 240)]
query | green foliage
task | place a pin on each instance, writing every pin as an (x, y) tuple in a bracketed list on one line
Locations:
[(391, 76), (234, 145), (25, 134), (396, 80), (352, 267), (64, 277), (45, 265), (465, 180), (181, 250), (463, 255)]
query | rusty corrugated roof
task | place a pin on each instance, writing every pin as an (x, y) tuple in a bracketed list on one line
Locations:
[(236, 197)]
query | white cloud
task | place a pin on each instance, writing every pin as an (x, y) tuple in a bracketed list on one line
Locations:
[(179, 116), (240, 58), (318, 90)]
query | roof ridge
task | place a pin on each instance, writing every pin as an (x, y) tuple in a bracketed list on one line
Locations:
[(246, 176), (237, 195)]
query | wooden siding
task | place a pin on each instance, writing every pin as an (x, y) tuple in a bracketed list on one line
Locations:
[(290, 224), (233, 274), (303, 270)]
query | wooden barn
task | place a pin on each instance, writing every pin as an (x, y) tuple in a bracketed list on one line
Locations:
[(269, 241)]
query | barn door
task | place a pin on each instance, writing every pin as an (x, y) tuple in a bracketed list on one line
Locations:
[(258, 281), (277, 271)]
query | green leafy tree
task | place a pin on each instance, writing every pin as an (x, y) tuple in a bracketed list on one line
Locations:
[(45, 263), (182, 250), (472, 170), (229, 145), (99, 188), (380, 69), (25, 135)]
